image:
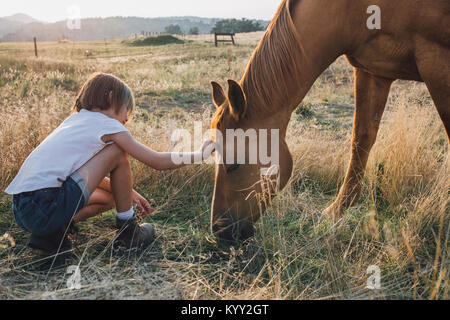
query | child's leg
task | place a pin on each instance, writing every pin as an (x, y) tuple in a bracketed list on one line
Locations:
[(99, 202), (111, 160)]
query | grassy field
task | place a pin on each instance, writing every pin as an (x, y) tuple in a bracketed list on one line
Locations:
[(401, 224)]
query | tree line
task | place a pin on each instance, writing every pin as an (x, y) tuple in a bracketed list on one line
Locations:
[(222, 26)]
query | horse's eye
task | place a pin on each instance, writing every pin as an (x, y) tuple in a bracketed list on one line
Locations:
[(232, 167)]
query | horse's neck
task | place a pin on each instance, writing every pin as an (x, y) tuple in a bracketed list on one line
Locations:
[(315, 53)]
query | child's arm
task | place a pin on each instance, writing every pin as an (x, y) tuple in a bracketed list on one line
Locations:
[(155, 160)]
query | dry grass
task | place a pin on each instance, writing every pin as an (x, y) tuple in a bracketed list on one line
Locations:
[(401, 223)]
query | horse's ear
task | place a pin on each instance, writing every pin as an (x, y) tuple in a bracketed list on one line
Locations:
[(218, 94), (238, 101)]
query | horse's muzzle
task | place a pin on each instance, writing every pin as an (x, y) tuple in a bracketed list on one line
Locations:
[(231, 231)]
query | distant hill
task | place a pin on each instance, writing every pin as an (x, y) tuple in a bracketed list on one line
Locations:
[(20, 18), (12, 23), (93, 29)]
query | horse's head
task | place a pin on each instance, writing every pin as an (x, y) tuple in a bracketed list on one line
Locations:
[(246, 178)]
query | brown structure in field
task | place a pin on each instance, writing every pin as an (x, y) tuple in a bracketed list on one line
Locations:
[(217, 40), (412, 42)]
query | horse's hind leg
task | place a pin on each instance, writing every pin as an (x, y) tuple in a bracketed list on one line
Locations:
[(371, 96), (434, 69)]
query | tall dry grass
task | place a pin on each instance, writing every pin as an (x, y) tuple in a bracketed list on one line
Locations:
[(401, 223)]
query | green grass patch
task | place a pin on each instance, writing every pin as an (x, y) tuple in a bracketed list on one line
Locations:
[(305, 110)]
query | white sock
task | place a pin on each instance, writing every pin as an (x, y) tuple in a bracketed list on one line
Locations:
[(125, 215)]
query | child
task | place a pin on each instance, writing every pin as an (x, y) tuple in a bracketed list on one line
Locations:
[(64, 181)]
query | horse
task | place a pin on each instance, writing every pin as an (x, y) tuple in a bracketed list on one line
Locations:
[(302, 41)]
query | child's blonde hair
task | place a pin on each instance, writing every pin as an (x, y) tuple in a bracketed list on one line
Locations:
[(96, 90)]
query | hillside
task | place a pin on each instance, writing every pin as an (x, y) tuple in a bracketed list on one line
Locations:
[(20, 18), (12, 23), (93, 29)]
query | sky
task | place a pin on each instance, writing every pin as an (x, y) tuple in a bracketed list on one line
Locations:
[(56, 10)]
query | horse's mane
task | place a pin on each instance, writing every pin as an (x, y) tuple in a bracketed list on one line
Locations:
[(274, 65)]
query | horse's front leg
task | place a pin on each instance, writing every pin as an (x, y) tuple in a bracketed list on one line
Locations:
[(371, 94)]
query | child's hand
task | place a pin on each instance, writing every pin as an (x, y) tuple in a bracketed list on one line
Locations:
[(208, 148), (144, 207)]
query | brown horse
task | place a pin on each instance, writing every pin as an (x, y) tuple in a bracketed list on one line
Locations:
[(304, 38)]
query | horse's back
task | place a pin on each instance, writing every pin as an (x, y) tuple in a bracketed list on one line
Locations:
[(429, 19), (407, 29)]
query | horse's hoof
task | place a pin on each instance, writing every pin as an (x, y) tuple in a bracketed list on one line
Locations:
[(333, 212)]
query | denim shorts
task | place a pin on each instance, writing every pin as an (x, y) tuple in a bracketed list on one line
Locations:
[(45, 211)]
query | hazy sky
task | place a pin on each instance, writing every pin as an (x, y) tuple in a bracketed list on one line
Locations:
[(55, 10)]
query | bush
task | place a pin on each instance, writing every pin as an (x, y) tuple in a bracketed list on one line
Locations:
[(157, 41)]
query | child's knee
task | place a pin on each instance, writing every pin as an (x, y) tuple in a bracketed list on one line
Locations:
[(123, 159), (118, 154)]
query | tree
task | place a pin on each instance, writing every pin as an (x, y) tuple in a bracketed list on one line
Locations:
[(173, 29), (194, 30), (236, 26)]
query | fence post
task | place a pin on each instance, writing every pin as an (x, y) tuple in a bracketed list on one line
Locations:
[(35, 47)]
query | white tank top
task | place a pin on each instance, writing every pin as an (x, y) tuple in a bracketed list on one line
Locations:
[(64, 151)]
